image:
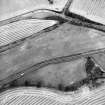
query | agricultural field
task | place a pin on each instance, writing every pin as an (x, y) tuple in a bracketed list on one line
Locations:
[(54, 48)]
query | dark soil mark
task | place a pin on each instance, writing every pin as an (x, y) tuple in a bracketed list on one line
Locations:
[(51, 1)]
